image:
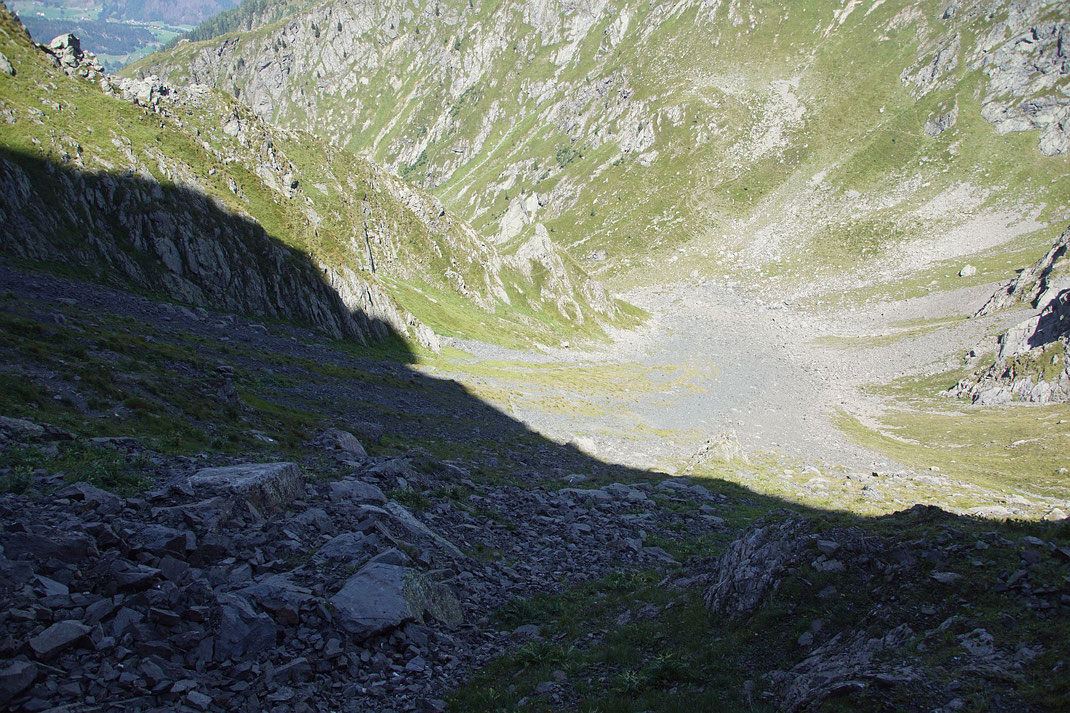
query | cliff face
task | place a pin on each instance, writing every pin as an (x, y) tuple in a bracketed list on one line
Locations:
[(654, 140), (184, 190)]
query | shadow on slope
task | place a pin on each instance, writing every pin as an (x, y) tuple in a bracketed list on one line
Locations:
[(167, 239), (637, 638)]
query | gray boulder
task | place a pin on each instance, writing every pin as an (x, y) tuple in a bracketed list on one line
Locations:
[(242, 630), (381, 597), (58, 638), (754, 565), (357, 491), (1037, 284), (15, 678), (5, 66), (344, 441), (347, 547), (264, 487)]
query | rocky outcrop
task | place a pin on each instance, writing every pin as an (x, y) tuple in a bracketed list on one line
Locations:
[(1032, 363), (1021, 48), (1038, 283), (753, 567), (164, 239)]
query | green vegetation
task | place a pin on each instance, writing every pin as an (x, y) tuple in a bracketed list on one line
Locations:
[(628, 643)]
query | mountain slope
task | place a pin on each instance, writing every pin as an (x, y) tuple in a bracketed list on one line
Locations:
[(658, 141), (385, 249)]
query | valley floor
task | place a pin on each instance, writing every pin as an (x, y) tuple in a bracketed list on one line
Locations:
[(793, 387)]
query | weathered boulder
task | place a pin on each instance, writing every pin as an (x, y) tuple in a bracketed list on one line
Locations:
[(15, 678), (754, 565), (357, 491), (242, 630), (264, 487), (1036, 284), (845, 663), (58, 638), (381, 597), (92, 497), (1032, 364), (344, 441), (347, 547), (279, 595)]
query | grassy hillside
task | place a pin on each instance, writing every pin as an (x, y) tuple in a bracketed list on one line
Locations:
[(655, 143), (341, 211)]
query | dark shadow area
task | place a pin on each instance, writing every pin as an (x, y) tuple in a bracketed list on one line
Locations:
[(1053, 322), (127, 231)]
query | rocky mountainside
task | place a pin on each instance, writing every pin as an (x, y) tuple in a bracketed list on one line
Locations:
[(184, 190), (1031, 362), (660, 141), (205, 513)]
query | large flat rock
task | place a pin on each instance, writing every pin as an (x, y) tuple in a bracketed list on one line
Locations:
[(265, 487), (381, 597)]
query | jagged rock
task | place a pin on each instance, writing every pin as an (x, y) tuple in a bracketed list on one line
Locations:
[(243, 631), (940, 123), (407, 520), (370, 432), (161, 540), (58, 638), (842, 665), (723, 448), (357, 491), (1038, 283), (1032, 363), (967, 271), (15, 678), (343, 441), (753, 565), (347, 547), (5, 65), (21, 430), (68, 547), (264, 487), (280, 596), (93, 497), (381, 597)]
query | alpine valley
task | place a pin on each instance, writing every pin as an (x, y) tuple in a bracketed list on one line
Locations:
[(486, 355)]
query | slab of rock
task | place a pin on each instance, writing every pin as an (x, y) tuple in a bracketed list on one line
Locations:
[(754, 565), (280, 596), (381, 597), (92, 497), (243, 631), (409, 522), (15, 678), (347, 547), (58, 638), (264, 487), (356, 491), (344, 441)]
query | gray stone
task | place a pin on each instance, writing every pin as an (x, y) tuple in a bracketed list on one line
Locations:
[(58, 638), (347, 547), (5, 66), (344, 441), (753, 565), (356, 491), (280, 596), (381, 597), (15, 678), (242, 630), (104, 502), (264, 487)]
